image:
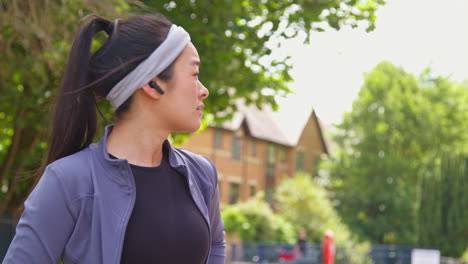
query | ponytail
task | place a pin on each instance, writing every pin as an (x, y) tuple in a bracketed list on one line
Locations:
[(89, 77), (75, 121)]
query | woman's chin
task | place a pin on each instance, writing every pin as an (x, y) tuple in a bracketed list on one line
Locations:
[(196, 127), (189, 129)]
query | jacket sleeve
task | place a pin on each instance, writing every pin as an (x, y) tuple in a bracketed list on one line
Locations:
[(45, 225), (218, 244)]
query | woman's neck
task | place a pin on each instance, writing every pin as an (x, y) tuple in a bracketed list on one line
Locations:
[(139, 143)]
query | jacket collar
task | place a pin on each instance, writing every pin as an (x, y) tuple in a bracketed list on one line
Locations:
[(175, 158)]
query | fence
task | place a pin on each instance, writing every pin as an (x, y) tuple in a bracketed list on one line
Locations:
[(445, 260), (258, 252), (7, 231)]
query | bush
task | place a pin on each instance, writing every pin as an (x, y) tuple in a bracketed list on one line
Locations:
[(254, 220), (464, 257)]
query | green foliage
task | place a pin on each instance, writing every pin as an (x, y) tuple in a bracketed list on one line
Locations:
[(254, 220), (305, 204), (465, 255), (443, 218), (35, 37), (231, 37), (397, 125), (236, 222), (235, 39)]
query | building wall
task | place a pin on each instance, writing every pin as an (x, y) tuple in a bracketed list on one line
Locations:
[(250, 171), (311, 144)]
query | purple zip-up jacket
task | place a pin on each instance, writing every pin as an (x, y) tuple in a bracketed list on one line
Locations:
[(80, 208)]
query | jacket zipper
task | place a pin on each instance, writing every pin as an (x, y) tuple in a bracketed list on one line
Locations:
[(128, 213)]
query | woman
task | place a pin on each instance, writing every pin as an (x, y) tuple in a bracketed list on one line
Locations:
[(131, 197)]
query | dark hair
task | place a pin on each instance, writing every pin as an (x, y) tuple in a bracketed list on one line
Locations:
[(88, 78)]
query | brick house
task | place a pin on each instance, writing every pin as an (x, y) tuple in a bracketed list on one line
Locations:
[(252, 153)]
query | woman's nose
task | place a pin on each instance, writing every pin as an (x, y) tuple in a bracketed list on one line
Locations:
[(203, 91)]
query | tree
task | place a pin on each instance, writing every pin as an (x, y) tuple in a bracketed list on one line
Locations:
[(442, 214), (236, 37), (231, 37), (35, 37), (397, 125)]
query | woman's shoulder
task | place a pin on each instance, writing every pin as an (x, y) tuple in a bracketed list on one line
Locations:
[(78, 161), (200, 163), (196, 159), (73, 171)]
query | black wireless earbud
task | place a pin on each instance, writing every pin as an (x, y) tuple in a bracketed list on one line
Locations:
[(154, 85)]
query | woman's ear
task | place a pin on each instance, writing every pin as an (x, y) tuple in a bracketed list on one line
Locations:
[(155, 86), (153, 90)]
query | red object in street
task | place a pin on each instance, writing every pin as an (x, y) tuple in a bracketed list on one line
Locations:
[(328, 248), (285, 255)]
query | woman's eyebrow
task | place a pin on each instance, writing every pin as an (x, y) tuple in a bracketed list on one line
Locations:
[(196, 62)]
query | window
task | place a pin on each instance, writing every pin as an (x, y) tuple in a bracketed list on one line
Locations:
[(253, 147), (299, 160), (316, 161), (282, 155), (236, 147), (252, 190), (234, 193), (270, 169), (220, 189), (270, 161), (269, 194), (270, 153), (218, 138)]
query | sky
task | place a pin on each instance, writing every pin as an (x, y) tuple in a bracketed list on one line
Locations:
[(413, 34)]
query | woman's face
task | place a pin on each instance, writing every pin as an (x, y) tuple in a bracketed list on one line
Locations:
[(184, 93)]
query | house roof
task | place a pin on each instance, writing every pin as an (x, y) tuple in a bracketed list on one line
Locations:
[(259, 123), (276, 127), (293, 126)]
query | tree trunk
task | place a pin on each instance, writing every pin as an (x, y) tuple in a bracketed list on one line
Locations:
[(13, 149), (4, 205)]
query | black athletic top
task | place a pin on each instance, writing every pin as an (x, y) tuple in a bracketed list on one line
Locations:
[(166, 225)]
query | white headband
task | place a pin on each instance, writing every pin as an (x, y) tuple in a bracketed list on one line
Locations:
[(159, 60)]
